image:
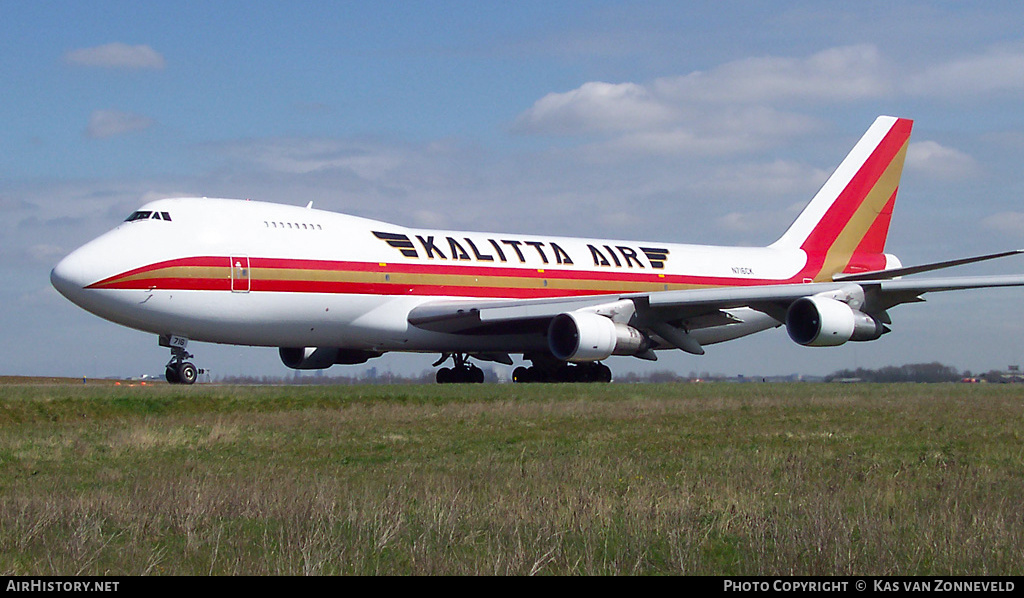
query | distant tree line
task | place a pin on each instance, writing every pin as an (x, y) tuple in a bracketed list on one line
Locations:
[(655, 377), (309, 379), (912, 372), (920, 372)]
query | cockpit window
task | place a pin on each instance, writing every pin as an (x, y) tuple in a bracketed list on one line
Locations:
[(147, 214), (138, 216)]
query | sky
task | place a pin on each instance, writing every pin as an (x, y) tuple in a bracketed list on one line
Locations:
[(695, 122)]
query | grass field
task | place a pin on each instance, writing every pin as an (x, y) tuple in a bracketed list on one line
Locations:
[(715, 479)]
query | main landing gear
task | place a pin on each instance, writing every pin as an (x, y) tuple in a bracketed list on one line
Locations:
[(178, 369), (545, 368), (463, 372), (562, 372)]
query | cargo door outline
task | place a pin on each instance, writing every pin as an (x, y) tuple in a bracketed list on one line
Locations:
[(240, 277)]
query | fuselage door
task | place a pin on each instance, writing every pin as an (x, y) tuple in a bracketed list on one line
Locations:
[(240, 274)]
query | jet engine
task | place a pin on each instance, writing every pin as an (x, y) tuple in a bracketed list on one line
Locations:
[(585, 336), (319, 358), (824, 322)]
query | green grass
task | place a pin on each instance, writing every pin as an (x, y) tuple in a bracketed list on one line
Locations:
[(500, 479)]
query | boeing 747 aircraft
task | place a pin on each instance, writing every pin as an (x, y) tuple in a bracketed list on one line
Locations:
[(329, 288)]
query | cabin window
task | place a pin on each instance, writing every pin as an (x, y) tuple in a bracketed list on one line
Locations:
[(293, 225)]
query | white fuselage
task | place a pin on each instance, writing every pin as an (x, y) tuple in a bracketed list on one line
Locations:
[(253, 273)]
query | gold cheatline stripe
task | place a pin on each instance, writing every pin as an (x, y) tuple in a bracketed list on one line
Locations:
[(177, 272), (403, 279), (459, 280), (839, 254)]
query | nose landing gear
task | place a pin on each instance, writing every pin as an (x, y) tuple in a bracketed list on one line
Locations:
[(178, 370)]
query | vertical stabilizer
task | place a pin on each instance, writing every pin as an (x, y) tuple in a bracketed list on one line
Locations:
[(844, 227)]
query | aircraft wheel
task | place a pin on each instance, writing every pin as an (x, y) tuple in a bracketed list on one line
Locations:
[(567, 373), (187, 373), (445, 376), (476, 375), (172, 376), (584, 373), (604, 373)]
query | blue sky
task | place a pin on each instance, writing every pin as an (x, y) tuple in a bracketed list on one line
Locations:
[(690, 122)]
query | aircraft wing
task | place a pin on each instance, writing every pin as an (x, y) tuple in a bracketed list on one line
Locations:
[(877, 293), (700, 308), (474, 316), (894, 292), (671, 315), (895, 272), (496, 316)]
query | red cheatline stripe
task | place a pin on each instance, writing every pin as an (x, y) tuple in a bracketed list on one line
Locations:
[(356, 288), (460, 269), (462, 282), (188, 262)]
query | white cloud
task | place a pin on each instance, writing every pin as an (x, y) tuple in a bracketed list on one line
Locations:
[(745, 223), (998, 70), (45, 253), (595, 107), (778, 178), (754, 102), (671, 114), (430, 219), (1010, 223), (837, 74), (729, 131), (305, 156), (938, 161), (117, 56), (110, 123)]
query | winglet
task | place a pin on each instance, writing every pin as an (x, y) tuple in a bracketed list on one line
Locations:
[(844, 227)]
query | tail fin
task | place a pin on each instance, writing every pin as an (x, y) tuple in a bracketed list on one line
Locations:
[(844, 227)]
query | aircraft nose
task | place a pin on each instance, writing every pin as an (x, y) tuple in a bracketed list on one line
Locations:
[(72, 274)]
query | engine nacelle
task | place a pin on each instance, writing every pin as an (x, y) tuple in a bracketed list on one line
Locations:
[(824, 322), (586, 336), (320, 358)]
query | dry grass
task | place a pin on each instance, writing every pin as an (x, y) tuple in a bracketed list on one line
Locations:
[(537, 479)]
